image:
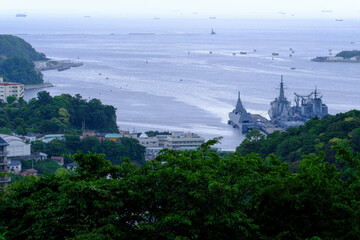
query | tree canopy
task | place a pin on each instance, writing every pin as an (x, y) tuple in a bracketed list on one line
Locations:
[(188, 195), (16, 60), (317, 135), (13, 46), (348, 54), (59, 114), (20, 70)]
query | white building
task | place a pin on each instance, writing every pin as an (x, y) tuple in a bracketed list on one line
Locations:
[(8, 89), (15, 166), (48, 138), (17, 147), (149, 142), (180, 140)]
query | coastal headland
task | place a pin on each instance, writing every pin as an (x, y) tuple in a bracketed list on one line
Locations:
[(59, 65)]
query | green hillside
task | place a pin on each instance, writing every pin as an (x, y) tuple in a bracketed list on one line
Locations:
[(12, 46), (317, 135), (16, 61)]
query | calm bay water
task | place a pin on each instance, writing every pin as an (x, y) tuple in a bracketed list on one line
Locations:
[(168, 80)]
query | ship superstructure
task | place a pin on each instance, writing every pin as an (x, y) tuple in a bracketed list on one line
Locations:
[(306, 107), (240, 118)]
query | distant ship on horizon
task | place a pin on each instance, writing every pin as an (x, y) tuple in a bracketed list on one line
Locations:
[(21, 15), (212, 31)]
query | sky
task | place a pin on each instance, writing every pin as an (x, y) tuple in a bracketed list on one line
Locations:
[(186, 8)]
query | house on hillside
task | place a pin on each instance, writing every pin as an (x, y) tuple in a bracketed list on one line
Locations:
[(58, 159), (71, 166), (14, 166), (115, 137), (30, 171)]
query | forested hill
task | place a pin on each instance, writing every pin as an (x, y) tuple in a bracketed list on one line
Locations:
[(348, 54), (314, 137), (12, 46), (16, 60), (59, 114)]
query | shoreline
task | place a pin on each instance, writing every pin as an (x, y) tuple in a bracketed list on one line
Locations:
[(34, 86)]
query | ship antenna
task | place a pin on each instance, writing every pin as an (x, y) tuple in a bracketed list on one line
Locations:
[(282, 94), (238, 95)]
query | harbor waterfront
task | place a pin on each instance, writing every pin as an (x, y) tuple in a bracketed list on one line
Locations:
[(169, 80)]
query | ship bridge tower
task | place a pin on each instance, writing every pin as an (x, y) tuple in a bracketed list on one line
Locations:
[(280, 107), (239, 106)]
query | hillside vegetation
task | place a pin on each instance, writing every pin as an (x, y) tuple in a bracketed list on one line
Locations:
[(348, 54), (16, 60), (59, 114), (12, 46), (187, 195), (317, 135)]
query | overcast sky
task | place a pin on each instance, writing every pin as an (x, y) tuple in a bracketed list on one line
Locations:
[(187, 8)]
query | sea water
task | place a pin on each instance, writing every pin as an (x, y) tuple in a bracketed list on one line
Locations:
[(173, 75)]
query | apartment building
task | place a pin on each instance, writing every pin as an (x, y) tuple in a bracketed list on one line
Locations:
[(8, 89)]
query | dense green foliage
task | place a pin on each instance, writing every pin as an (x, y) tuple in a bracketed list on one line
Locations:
[(58, 114), (20, 70), (155, 133), (12, 46), (16, 60), (43, 166), (315, 136), (188, 195), (115, 152), (348, 54)]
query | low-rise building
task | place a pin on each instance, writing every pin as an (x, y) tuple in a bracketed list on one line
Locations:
[(28, 172), (48, 138), (17, 148), (151, 153), (87, 134), (162, 139), (149, 142), (71, 166), (115, 137), (58, 159), (178, 140), (8, 89), (15, 166)]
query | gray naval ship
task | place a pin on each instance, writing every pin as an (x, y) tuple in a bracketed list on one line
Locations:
[(306, 107), (241, 119), (282, 114)]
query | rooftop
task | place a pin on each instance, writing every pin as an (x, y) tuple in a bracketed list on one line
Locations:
[(3, 143)]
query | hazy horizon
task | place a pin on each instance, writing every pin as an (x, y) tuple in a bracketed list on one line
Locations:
[(185, 9)]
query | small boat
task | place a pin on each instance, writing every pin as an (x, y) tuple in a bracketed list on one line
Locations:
[(212, 31), (210, 52), (242, 53), (21, 15), (234, 54), (275, 54), (293, 68)]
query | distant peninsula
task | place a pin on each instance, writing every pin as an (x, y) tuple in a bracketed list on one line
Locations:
[(344, 56), (19, 62)]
